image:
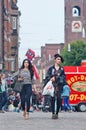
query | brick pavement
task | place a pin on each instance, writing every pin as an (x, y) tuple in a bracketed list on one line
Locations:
[(43, 121)]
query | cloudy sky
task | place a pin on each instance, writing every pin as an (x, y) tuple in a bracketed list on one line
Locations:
[(41, 21)]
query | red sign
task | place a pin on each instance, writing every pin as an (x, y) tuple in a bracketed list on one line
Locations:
[(30, 54), (76, 79)]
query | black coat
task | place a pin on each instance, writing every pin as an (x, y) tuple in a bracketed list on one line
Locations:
[(60, 77)]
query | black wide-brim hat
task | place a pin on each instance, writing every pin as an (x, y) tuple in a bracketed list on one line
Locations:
[(57, 55)]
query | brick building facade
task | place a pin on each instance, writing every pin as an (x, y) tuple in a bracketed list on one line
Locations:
[(75, 20), (49, 50), (9, 39)]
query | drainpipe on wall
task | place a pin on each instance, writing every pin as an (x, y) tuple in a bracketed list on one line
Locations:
[(2, 34)]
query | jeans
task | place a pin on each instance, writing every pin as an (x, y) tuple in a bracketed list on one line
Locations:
[(1, 98), (5, 98), (66, 103), (26, 94)]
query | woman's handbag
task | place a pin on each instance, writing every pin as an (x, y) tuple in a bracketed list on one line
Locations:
[(18, 86)]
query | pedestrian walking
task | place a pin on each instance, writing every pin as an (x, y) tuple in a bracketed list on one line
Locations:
[(56, 74), (1, 97), (4, 89), (26, 74), (65, 96)]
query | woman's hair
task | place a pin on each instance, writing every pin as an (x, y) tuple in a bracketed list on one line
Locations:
[(30, 67), (57, 55)]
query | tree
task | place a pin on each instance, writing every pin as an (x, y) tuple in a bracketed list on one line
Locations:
[(76, 54)]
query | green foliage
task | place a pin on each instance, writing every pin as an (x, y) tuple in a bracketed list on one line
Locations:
[(75, 55)]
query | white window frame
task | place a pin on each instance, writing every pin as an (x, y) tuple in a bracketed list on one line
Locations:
[(14, 22)]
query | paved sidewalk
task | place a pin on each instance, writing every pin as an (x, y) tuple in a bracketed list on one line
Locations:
[(43, 121)]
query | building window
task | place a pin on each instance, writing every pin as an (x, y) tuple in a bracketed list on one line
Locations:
[(83, 32), (14, 4), (12, 66), (76, 11), (14, 47), (14, 23), (58, 51), (13, 54)]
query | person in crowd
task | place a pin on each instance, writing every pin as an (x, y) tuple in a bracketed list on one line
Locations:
[(65, 96), (1, 98), (17, 102), (34, 96), (57, 75), (47, 103), (26, 75), (11, 99), (4, 88)]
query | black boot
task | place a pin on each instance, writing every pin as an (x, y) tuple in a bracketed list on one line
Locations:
[(56, 116), (53, 116)]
